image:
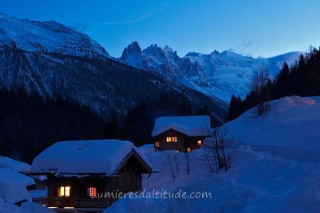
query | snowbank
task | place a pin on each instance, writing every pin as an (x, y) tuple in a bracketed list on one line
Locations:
[(290, 129), (257, 182), (13, 186), (14, 165), (27, 207)]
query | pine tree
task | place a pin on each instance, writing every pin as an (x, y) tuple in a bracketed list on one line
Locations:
[(282, 82), (112, 126)]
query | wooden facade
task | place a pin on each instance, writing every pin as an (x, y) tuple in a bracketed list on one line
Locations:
[(94, 192), (178, 141)]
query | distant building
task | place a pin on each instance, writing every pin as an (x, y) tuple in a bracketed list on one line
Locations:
[(181, 133), (87, 176)]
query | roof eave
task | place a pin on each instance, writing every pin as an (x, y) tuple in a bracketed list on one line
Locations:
[(133, 152)]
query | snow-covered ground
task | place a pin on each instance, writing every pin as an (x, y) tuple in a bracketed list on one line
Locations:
[(275, 167), (27, 207), (14, 165), (290, 129), (13, 188)]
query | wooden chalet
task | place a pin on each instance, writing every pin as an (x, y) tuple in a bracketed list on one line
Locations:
[(181, 133), (87, 176)]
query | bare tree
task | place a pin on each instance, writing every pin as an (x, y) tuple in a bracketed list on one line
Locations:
[(223, 142), (169, 160), (208, 149), (175, 159), (187, 156), (217, 150), (259, 86), (208, 154)]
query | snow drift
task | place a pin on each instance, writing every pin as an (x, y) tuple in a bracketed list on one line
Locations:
[(14, 165), (13, 188), (290, 129)]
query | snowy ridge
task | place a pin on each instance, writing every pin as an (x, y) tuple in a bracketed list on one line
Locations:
[(216, 75), (39, 57), (49, 36)]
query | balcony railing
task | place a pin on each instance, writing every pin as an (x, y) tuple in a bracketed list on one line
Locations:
[(71, 202), (55, 202)]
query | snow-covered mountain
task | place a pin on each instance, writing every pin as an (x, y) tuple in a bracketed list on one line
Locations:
[(275, 167), (48, 36), (52, 59), (216, 74)]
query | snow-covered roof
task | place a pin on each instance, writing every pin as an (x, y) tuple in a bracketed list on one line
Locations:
[(14, 165), (13, 185), (84, 157), (188, 125)]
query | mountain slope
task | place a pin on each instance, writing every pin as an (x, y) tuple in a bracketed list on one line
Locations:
[(216, 74), (52, 59), (289, 130), (49, 36)]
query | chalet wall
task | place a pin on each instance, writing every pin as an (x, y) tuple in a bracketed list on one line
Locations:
[(164, 145), (128, 179), (192, 142), (183, 141)]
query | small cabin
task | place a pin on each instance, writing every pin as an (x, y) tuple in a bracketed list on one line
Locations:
[(87, 176), (181, 133)]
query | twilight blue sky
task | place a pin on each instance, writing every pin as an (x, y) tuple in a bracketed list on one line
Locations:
[(251, 27)]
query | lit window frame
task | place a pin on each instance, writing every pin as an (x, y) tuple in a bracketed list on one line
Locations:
[(92, 192), (171, 139), (199, 142), (64, 191), (188, 149), (157, 144)]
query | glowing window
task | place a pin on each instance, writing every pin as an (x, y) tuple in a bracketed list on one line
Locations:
[(188, 149), (157, 144), (64, 191), (168, 139), (174, 139), (92, 192), (199, 142)]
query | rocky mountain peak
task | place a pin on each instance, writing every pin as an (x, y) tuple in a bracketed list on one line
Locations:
[(130, 50)]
